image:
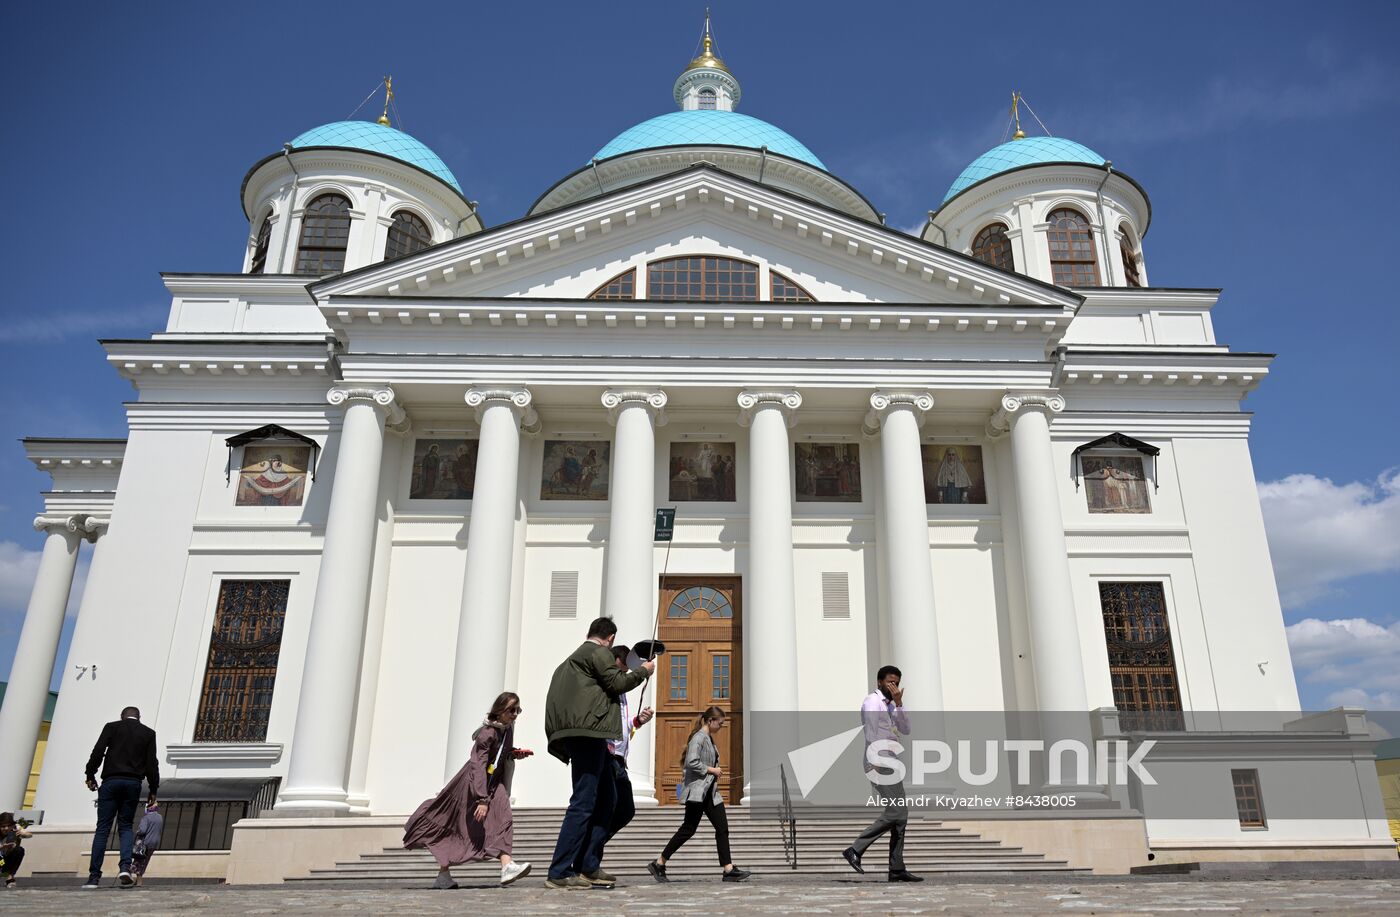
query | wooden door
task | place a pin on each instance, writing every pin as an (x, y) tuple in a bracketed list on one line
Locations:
[(702, 666)]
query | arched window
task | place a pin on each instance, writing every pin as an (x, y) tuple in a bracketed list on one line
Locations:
[(1072, 249), (325, 234), (259, 263), (623, 286), (407, 235), (993, 247), (703, 278), (1131, 275), (784, 290), (707, 99)]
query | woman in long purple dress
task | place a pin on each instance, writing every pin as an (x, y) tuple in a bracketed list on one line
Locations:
[(470, 820)]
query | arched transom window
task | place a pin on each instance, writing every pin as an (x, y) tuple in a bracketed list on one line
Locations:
[(264, 241), (407, 234), (1132, 276), (785, 290), (993, 247), (623, 286), (707, 99), (325, 234), (703, 278), (702, 601), (1072, 249)]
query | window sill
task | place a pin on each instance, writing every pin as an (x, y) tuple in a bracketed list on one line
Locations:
[(224, 753)]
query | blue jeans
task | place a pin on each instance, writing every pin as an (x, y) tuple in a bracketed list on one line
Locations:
[(117, 798), (584, 830)]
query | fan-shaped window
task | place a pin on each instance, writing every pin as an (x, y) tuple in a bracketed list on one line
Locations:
[(1132, 276), (784, 290), (702, 600), (325, 234), (623, 286), (1072, 250), (707, 99), (259, 263), (993, 247), (407, 235), (703, 279)]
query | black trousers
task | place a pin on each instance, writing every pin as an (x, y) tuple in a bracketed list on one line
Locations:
[(712, 809), (9, 864)]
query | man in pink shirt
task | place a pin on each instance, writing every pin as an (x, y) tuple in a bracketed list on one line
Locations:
[(883, 716)]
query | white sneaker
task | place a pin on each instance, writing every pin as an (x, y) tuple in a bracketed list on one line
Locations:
[(125, 880), (91, 884), (514, 871)]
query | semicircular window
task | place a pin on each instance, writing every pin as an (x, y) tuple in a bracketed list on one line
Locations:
[(785, 290), (993, 247), (702, 278), (407, 235), (621, 287), (704, 601)]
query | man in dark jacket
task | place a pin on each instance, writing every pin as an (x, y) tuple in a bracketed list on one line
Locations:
[(581, 714), (127, 752)]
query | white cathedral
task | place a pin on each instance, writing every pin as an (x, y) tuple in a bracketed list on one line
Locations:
[(398, 462)]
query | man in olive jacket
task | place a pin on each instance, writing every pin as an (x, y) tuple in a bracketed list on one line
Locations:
[(581, 713)]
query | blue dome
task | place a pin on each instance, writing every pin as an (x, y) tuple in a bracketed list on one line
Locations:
[(704, 127), (376, 138), (1024, 152)]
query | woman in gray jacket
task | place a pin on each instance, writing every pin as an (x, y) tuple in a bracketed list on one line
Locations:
[(699, 790)]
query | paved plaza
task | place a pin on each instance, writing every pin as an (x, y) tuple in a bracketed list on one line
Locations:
[(1174, 895)]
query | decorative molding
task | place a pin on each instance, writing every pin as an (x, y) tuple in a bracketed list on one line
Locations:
[(654, 400), (1050, 401), (751, 402), (224, 753), (519, 400), (380, 396), (87, 527), (882, 402)]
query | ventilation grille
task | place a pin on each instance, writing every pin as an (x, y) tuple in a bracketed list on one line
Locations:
[(836, 596), (563, 594)]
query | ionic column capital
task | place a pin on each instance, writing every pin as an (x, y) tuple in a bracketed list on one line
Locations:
[(519, 400), (381, 397), (1048, 401), (883, 402), (752, 401), (89, 528), (654, 401)]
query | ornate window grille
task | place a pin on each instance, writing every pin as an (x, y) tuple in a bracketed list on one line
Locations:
[(1072, 249), (325, 234), (993, 247), (242, 666), (703, 278), (707, 100), (1141, 663), (623, 286), (407, 235), (700, 598)]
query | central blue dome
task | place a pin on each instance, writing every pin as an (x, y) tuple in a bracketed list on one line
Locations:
[(708, 127), (1023, 152), (378, 138)]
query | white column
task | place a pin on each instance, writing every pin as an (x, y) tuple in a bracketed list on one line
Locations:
[(913, 626), (30, 674), (770, 627), (318, 771), (1054, 629), (629, 588), (484, 626)]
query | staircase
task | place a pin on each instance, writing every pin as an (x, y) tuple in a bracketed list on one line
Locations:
[(930, 847)]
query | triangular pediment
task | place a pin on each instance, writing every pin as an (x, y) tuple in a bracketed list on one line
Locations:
[(567, 253)]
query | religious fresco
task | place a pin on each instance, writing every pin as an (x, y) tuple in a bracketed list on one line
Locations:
[(1115, 484), (575, 469), (953, 474), (443, 469), (273, 476), (702, 472), (827, 472)]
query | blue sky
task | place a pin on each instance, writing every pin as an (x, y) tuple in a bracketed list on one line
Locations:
[(1265, 134)]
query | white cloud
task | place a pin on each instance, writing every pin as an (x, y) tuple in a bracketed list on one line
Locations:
[(60, 323), (1321, 533), (18, 567), (1354, 656)]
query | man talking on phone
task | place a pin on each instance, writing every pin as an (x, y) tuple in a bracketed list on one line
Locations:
[(883, 716)]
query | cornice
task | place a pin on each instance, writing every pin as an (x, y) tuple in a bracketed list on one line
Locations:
[(289, 285), (195, 357), (1163, 369)]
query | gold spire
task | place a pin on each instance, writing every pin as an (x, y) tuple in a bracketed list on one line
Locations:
[(1016, 115), (707, 57), (388, 97)]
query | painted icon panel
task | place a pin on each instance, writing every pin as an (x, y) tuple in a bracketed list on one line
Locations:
[(702, 472), (273, 475), (1115, 484), (575, 469), (827, 472), (443, 469), (953, 474)]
